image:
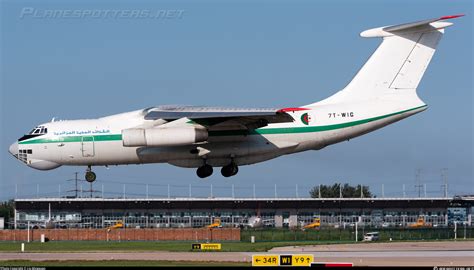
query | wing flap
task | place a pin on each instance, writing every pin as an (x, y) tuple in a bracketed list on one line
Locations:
[(238, 118)]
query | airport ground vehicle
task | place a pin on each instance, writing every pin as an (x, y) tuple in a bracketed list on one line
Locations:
[(371, 236), (117, 225), (316, 224), (215, 224), (420, 223)]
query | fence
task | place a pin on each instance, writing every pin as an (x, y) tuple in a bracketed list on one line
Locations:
[(182, 234), (348, 235), (235, 234), (119, 189)]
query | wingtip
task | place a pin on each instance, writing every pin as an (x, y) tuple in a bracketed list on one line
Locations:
[(451, 17)]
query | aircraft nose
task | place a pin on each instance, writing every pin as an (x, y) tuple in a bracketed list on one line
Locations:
[(13, 149)]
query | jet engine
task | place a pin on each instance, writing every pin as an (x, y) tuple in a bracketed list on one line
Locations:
[(136, 137)]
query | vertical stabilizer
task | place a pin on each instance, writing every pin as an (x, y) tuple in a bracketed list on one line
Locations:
[(398, 64)]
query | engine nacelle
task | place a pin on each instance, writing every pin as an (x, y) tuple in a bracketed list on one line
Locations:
[(135, 137)]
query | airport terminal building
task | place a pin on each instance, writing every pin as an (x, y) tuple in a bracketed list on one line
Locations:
[(239, 212)]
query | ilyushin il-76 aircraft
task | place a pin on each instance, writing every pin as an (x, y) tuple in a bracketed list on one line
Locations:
[(381, 93)]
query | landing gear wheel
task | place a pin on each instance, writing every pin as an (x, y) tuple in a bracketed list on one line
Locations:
[(236, 170), (204, 171), (229, 170), (90, 176)]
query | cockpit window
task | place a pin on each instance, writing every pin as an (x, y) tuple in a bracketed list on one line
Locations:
[(39, 130)]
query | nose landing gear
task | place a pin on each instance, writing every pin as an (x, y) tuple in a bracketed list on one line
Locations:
[(90, 175), (230, 170)]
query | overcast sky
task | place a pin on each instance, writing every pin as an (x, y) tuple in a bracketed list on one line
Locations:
[(241, 54)]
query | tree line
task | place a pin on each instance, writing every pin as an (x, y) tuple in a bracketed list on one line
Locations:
[(6, 211), (339, 190)]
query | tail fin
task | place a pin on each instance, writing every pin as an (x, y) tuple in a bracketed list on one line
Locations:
[(398, 63)]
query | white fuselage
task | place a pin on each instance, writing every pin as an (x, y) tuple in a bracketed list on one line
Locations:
[(99, 141)]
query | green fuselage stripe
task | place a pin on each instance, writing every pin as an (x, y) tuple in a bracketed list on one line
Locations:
[(304, 129), (261, 131), (96, 138)]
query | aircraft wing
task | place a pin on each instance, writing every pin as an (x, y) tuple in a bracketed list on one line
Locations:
[(215, 117)]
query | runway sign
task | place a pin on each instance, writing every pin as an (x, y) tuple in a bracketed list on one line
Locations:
[(265, 260), (206, 246), (282, 260), (297, 259)]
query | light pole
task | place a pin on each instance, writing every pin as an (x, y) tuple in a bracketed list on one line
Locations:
[(465, 230), (356, 231), (455, 230), (28, 231)]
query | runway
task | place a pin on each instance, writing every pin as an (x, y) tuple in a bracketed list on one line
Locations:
[(367, 254), (391, 254)]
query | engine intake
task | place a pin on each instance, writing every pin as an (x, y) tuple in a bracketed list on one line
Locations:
[(135, 137)]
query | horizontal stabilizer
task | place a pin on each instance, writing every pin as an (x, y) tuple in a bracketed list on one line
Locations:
[(418, 26)]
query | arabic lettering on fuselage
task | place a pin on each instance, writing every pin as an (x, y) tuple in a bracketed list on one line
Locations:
[(82, 132)]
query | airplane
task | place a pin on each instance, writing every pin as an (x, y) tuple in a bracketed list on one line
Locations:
[(381, 93)]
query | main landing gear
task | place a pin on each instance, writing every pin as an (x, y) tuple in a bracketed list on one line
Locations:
[(206, 170), (230, 170), (90, 175)]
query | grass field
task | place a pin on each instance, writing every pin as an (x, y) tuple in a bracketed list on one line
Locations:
[(117, 263), (86, 246), (98, 246)]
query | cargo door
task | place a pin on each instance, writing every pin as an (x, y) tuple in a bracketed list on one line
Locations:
[(87, 146)]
